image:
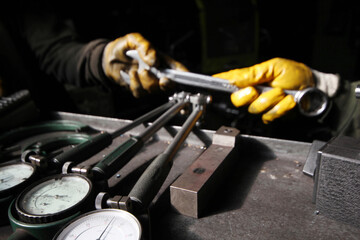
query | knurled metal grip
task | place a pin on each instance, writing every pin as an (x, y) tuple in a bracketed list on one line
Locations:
[(191, 192)]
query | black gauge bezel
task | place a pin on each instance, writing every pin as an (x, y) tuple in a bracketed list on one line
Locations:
[(45, 218)]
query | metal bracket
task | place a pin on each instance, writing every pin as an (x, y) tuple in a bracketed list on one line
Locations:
[(196, 100), (191, 192), (312, 158)]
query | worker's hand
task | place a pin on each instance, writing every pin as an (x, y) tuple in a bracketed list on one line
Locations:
[(278, 73), (115, 60)]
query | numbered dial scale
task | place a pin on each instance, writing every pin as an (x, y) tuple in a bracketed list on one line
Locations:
[(13, 176), (103, 224), (53, 198)]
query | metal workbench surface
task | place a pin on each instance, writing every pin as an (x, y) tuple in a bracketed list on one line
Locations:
[(264, 194)]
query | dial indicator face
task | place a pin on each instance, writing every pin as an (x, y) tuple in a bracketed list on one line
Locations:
[(103, 224), (55, 195), (13, 174)]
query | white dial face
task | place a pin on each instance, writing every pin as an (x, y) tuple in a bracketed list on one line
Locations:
[(14, 174), (103, 224), (55, 195)]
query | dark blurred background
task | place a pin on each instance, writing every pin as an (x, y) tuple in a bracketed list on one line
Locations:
[(211, 36)]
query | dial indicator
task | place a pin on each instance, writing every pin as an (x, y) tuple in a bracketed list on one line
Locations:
[(12, 175), (53, 197), (103, 224)]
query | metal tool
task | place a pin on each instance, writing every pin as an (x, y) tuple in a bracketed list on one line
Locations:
[(35, 163), (122, 154), (103, 224), (40, 155), (312, 158), (104, 139), (151, 180), (311, 101), (120, 224), (101, 171), (50, 201), (190, 194), (357, 91), (35, 157)]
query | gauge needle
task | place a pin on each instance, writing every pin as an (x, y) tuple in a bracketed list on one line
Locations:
[(105, 229), (6, 178)]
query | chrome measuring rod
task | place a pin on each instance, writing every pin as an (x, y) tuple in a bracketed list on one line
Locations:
[(46, 205), (311, 101), (117, 211)]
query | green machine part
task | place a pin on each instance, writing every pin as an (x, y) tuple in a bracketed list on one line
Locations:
[(49, 126)]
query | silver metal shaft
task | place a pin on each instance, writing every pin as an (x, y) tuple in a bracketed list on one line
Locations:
[(154, 176), (142, 119), (164, 118)]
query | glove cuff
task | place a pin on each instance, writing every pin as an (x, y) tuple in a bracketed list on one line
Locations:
[(327, 82)]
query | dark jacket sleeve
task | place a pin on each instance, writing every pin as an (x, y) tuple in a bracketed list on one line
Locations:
[(60, 53)]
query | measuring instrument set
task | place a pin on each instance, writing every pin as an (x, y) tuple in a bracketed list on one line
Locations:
[(35, 155), (114, 217), (49, 203), (44, 157)]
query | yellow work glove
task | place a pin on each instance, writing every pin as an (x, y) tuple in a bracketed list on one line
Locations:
[(278, 73), (115, 60)]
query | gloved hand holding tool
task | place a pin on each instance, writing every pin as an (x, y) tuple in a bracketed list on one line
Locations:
[(116, 62), (310, 100), (280, 74)]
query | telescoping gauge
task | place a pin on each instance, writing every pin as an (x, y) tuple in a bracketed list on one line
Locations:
[(117, 224), (15, 176), (38, 156), (311, 101), (59, 197), (103, 224), (35, 157), (35, 162)]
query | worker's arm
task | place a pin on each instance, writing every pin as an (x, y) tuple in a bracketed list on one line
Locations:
[(57, 47)]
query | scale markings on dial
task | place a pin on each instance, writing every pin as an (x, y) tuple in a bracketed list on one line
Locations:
[(55, 195), (103, 224)]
